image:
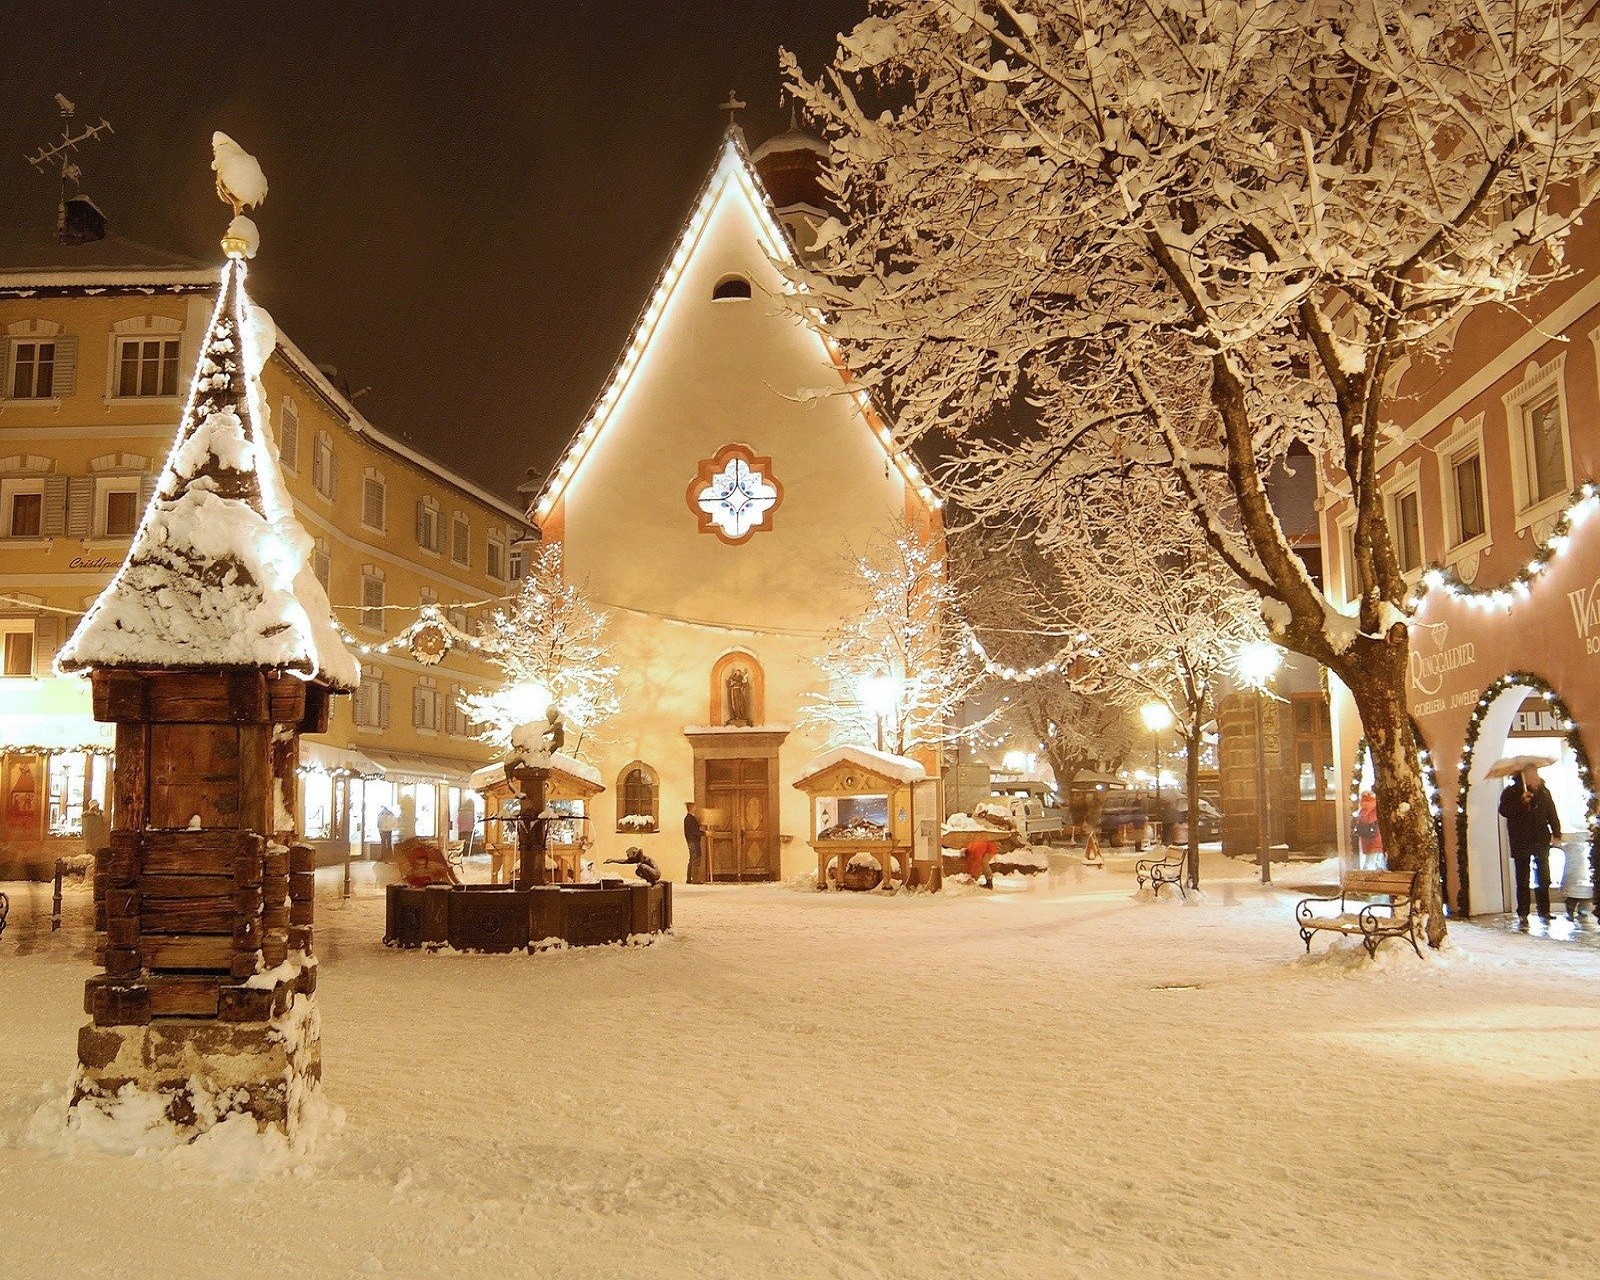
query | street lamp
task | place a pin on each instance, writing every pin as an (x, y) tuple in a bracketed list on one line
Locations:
[(1157, 717), (880, 695), (1256, 664)]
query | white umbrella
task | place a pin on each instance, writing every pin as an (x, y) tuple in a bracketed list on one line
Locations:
[(1516, 764)]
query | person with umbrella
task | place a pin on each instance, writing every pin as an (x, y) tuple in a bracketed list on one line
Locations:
[(1531, 824)]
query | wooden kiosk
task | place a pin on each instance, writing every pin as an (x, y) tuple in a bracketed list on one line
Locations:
[(863, 812), (571, 787)]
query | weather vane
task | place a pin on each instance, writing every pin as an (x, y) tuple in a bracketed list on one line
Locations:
[(69, 143)]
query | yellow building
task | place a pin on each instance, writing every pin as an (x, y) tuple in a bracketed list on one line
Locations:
[(97, 346)]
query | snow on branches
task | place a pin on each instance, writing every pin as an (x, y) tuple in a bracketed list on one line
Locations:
[(898, 666), (550, 643), (1116, 236)]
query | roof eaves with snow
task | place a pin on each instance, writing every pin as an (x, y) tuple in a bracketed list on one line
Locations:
[(733, 159), (895, 768)]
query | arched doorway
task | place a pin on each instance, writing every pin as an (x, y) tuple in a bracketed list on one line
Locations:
[(1362, 777), (1519, 714)]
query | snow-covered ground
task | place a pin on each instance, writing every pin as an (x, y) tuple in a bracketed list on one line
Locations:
[(1051, 1081)]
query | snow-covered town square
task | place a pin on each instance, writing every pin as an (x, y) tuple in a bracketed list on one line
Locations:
[(1051, 1080), (886, 638)]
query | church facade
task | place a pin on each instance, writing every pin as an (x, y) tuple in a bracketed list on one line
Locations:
[(710, 504)]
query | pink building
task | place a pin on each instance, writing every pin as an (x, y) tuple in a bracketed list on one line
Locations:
[(1486, 490)]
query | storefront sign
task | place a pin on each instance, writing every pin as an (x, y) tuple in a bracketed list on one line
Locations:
[(92, 563), (1429, 668), (1585, 605), (1536, 719)]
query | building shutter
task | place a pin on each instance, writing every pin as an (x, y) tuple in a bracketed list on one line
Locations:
[(55, 506), (147, 491), (333, 475), (46, 640), (419, 718), (66, 371), (80, 506), (422, 526), (383, 705)]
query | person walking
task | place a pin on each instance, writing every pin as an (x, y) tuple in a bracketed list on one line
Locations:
[(1531, 824), (1369, 837), (388, 824), (694, 837)]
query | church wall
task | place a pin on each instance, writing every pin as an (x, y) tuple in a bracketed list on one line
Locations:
[(719, 372)]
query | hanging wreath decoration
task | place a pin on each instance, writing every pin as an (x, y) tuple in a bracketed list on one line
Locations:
[(428, 643)]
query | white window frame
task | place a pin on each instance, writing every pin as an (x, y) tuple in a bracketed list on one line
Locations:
[(19, 626), (372, 482), (461, 539), (10, 488), (1465, 437), (516, 561), (372, 614), (495, 549), (435, 520), (33, 340), (289, 434), (104, 487), (1537, 385), (323, 477), (162, 335), (1345, 536), (1406, 480)]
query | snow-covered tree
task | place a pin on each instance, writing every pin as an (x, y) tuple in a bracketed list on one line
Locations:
[(1182, 235), (900, 664), (550, 643)]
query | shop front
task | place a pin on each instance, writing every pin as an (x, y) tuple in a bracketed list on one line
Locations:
[(1505, 672), (55, 770)]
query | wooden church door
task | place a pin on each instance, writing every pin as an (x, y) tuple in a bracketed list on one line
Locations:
[(744, 843)]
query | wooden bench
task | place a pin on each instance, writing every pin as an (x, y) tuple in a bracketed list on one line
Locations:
[(1167, 869), (1390, 914)]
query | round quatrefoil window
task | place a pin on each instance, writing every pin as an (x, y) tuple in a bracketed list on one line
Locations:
[(734, 494)]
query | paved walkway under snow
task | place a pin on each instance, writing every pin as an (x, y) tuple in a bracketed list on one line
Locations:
[(1052, 1082)]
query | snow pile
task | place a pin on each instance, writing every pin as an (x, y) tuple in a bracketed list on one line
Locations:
[(240, 179), (896, 768)]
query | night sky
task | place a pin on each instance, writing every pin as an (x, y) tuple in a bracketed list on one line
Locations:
[(468, 203)]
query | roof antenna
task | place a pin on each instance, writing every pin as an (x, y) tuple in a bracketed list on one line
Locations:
[(77, 219)]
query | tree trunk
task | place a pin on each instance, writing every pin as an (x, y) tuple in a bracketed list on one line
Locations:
[(1376, 680), (1191, 781)]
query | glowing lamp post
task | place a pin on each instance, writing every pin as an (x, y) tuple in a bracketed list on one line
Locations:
[(1157, 717), (1255, 665), (880, 695)]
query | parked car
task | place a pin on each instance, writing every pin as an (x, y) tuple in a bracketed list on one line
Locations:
[(1207, 817)]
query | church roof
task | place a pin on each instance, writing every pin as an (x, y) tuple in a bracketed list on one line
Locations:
[(218, 573), (735, 166)]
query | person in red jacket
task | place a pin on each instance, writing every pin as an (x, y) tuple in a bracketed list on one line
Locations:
[(979, 851)]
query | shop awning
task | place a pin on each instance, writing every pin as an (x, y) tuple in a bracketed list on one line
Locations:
[(323, 757), (405, 767), (47, 734)]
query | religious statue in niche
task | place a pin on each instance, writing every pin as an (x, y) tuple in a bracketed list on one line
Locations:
[(737, 698)]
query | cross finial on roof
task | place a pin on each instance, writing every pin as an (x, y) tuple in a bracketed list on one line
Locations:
[(732, 106)]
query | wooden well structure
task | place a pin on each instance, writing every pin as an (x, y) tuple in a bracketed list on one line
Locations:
[(211, 651)]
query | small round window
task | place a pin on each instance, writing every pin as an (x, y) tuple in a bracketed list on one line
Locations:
[(731, 287)]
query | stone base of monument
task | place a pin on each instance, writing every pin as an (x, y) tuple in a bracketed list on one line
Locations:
[(486, 917), (259, 1054)]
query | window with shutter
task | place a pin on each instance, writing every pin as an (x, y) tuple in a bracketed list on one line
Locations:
[(373, 500), (322, 562), (147, 367), (55, 506), (427, 525), (383, 705), (47, 638), (371, 601), (16, 646), (461, 540), (289, 436), (33, 370)]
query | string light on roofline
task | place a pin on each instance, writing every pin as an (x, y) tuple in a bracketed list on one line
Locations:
[(1585, 500)]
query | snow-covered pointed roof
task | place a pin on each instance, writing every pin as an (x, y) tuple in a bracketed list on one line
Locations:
[(219, 572), (899, 768), (733, 174)]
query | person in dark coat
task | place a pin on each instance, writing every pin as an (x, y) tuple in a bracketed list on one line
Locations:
[(1531, 824), (693, 836)]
